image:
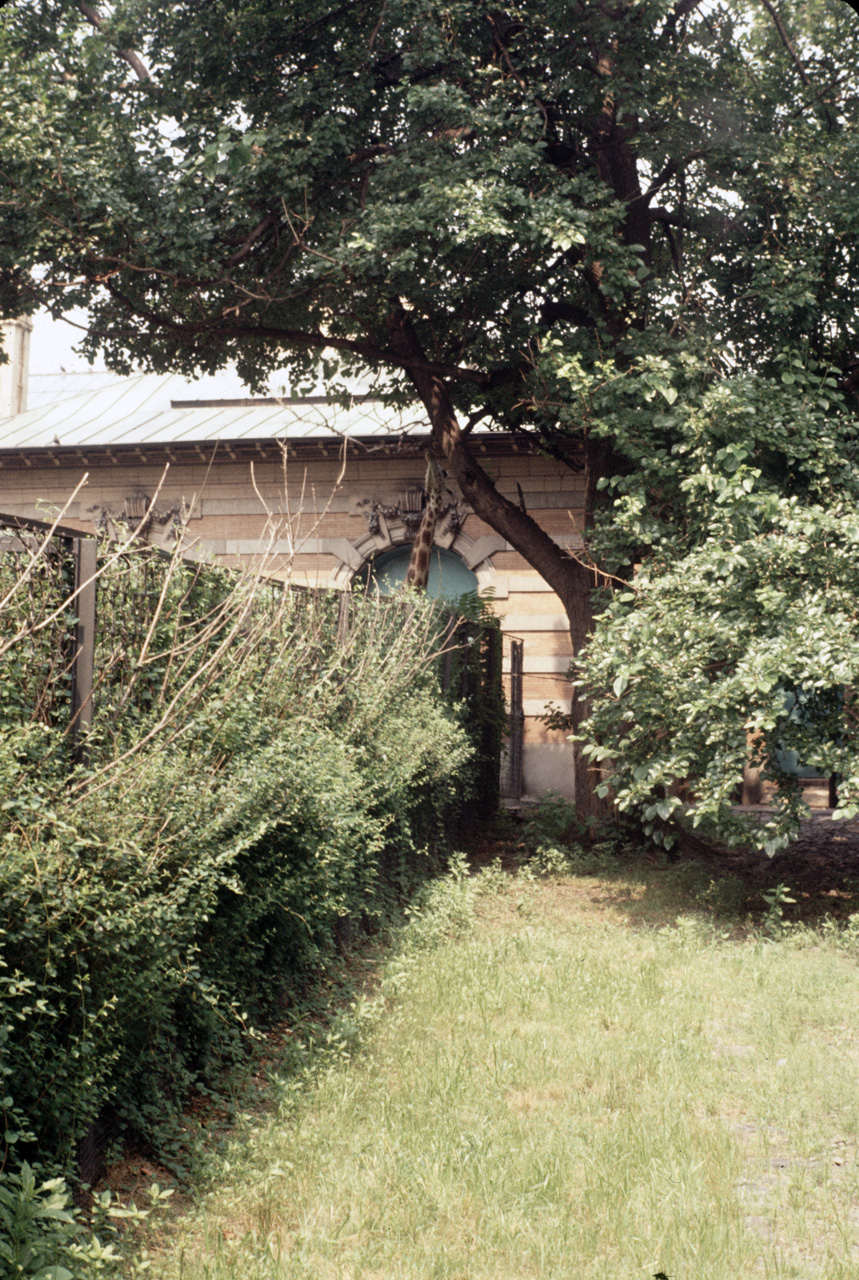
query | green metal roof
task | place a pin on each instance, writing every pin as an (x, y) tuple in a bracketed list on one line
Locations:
[(154, 409)]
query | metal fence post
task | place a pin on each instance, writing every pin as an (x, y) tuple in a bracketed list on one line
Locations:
[(86, 568), (517, 720)]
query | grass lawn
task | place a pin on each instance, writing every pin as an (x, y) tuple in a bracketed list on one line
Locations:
[(595, 1075)]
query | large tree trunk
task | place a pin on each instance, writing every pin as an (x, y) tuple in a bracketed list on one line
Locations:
[(572, 581)]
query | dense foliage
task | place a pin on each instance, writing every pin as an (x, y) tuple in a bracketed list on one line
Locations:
[(243, 180), (500, 210), (736, 637), (257, 787)]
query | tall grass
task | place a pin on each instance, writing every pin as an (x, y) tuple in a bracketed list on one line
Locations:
[(585, 1077)]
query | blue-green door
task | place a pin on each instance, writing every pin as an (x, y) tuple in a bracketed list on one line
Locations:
[(449, 577)]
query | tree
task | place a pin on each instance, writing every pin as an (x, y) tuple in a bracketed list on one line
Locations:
[(739, 634), (470, 200)]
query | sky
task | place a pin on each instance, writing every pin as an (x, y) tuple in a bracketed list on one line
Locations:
[(51, 345), (51, 352)]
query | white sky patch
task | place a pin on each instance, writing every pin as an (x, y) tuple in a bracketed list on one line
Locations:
[(51, 345)]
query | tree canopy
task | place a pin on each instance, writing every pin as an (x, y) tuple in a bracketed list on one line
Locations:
[(736, 638), (619, 227)]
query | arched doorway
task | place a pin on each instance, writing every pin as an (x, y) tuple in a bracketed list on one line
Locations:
[(449, 576)]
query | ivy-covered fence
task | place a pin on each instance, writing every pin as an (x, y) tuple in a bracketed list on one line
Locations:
[(259, 782)]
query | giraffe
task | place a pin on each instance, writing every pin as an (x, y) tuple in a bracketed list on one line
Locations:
[(418, 570)]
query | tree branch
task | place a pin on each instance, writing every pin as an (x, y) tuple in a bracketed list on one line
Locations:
[(370, 351), (492, 19), (672, 168), (236, 258), (449, 444), (568, 311), (378, 25), (128, 55), (806, 80), (681, 10), (785, 39), (187, 332)]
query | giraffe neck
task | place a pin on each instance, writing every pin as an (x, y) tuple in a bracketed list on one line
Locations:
[(418, 570)]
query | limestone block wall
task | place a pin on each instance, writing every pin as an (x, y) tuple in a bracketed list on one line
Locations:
[(312, 517)]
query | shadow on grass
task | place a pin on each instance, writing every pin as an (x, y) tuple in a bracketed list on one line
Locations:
[(731, 889), (735, 891)]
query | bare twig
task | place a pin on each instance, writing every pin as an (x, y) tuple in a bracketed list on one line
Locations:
[(592, 567), (41, 547), (670, 170)]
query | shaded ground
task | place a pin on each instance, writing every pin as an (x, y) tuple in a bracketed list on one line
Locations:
[(820, 869)]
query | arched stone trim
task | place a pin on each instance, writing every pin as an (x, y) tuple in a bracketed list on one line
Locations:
[(475, 553)]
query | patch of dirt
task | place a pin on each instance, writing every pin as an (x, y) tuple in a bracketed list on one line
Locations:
[(820, 868), (487, 847)]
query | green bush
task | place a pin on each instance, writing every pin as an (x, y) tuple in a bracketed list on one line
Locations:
[(255, 789), (39, 1236)]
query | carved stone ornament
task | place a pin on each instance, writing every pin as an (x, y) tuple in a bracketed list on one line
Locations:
[(408, 509), (159, 527), (136, 505)]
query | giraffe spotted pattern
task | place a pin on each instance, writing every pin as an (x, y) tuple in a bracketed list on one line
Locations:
[(419, 564)]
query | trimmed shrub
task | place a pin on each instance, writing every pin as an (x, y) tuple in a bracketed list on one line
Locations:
[(254, 787)]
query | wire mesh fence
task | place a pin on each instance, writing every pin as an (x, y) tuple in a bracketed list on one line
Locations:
[(37, 626)]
